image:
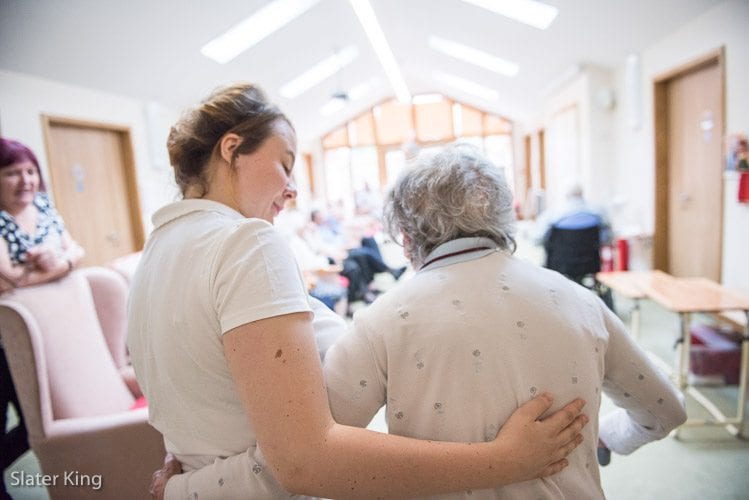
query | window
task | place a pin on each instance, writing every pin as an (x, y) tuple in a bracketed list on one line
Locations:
[(499, 152), (395, 162), (373, 148), (337, 178), (434, 121), (393, 122)]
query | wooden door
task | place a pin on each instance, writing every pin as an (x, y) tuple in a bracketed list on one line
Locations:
[(693, 188), (93, 180)]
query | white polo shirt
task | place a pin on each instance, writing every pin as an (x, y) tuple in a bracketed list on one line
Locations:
[(205, 270)]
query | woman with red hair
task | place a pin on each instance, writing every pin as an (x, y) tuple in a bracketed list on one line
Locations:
[(34, 248)]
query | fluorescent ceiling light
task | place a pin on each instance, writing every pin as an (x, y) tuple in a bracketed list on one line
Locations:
[(334, 105), (247, 33), (380, 45), (474, 56), (530, 12), (319, 72), (467, 86)]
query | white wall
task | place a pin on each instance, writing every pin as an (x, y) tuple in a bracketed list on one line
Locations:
[(725, 25), (24, 99), (584, 99), (617, 163)]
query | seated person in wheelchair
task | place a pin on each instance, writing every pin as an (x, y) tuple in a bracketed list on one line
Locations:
[(572, 235)]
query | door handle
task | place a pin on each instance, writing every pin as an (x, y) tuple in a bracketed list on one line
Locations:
[(684, 199), (113, 238)]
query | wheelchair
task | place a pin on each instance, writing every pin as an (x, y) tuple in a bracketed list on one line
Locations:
[(575, 253)]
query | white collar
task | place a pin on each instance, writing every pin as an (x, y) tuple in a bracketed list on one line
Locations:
[(173, 211), (465, 249)]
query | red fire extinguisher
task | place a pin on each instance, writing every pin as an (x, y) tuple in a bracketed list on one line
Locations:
[(744, 187)]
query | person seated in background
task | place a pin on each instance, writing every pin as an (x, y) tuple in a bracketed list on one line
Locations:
[(357, 253), (476, 332), (325, 235), (324, 280), (360, 267), (572, 235), (574, 213), (368, 201), (35, 248)]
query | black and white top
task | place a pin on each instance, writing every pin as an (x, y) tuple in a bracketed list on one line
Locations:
[(49, 229)]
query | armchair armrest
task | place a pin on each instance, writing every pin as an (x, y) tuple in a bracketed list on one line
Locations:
[(122, 449)]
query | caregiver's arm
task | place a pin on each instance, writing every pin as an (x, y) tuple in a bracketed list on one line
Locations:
[(229, 477), (278, 376)]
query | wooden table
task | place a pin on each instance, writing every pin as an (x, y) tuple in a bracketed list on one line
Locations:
[(685, 296)]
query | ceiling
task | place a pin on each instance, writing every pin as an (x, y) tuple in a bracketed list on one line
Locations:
[(150, 50)]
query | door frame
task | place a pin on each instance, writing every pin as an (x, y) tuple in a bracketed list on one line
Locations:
[(660, 117), (130, 173)]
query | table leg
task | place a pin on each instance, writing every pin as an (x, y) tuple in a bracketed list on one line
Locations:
[(682, 368), (682, 371), (743, 375), (731, 424)]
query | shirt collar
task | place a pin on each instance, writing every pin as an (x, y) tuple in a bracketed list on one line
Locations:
[(181, 208), (459, 245)]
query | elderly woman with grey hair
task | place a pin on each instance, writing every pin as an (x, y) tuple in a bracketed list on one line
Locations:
[(475, 333)]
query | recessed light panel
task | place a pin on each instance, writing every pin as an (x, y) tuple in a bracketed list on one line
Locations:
[(474, 56), (467, 86), (249, 32), (319, 72), (537, 14)]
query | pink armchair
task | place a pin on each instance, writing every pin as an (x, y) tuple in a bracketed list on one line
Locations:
[(65, 347)]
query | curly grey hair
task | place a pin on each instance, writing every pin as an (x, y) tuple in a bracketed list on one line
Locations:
[(455, 193)]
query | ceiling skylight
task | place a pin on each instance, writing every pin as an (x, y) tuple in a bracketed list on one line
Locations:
[(530, 12), (473, 56), (319, 72), (247, 33), (372, 28), (467, 86)]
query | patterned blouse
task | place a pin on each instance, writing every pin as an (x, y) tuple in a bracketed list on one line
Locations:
[(49, 229)]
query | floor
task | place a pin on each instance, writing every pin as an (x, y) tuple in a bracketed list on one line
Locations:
[(703, 463)]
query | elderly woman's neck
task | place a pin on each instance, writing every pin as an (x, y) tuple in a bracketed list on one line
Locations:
[(18, 209), (25, 216)]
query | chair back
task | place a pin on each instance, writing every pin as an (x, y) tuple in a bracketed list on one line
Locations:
[(574, 252), (82, 378), (75, 403), (109, 290)]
